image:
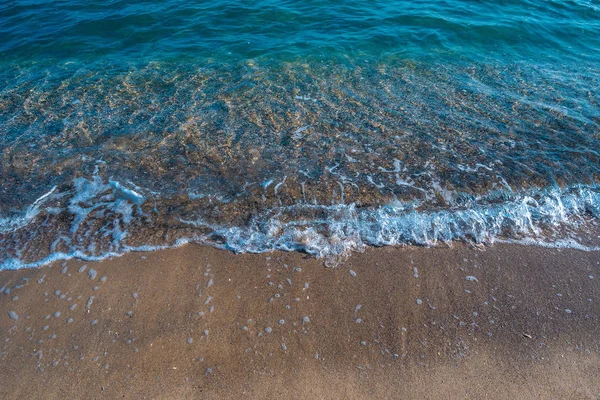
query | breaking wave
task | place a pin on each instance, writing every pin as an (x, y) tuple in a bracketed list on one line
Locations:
[(97, 218)]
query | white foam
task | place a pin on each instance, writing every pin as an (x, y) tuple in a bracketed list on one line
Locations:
[(341, 228), (122, 192), (14, 223)]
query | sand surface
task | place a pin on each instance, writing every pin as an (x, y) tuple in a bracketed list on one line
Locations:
[(508, 322)]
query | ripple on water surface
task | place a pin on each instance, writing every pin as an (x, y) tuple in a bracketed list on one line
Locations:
[(311, 126)]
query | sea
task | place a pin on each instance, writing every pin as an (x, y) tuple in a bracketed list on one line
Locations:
[(318, 126)]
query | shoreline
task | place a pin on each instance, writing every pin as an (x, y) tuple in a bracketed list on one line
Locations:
[(510, 321)]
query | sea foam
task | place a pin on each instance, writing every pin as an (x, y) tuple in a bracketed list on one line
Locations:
[(108, 220)]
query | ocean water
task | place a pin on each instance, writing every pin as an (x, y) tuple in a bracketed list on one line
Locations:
[(318, 126)]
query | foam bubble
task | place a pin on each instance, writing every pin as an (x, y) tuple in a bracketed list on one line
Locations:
[(535, 217)]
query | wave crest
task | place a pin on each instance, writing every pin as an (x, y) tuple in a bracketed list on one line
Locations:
[(94, 220)]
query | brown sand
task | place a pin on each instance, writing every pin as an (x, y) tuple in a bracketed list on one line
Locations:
[(528, 327)]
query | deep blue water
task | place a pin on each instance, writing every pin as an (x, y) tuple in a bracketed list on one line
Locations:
[(320, 126)]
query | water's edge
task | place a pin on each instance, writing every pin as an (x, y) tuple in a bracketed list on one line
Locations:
[(96, 220)]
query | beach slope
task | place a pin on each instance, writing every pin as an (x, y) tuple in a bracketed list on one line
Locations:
[(508, 321)]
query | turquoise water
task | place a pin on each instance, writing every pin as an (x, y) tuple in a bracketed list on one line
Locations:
[(318, 126), (229, 31)]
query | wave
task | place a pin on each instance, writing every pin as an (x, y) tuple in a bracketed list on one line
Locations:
[(96, 219), (346, 228)]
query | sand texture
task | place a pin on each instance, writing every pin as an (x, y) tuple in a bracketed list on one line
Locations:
[(507, 322)]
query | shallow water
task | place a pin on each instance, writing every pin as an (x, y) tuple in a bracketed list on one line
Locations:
[(319, 126)]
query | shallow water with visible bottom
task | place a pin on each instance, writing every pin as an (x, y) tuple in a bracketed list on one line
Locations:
[(318, 126)]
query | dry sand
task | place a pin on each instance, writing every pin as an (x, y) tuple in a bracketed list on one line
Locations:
[(510, 322)]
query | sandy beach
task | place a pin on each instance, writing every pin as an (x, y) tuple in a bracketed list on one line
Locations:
[(300, 200), (508, 321)]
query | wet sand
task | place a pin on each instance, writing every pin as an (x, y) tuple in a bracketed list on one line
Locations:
[(400, 323)]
